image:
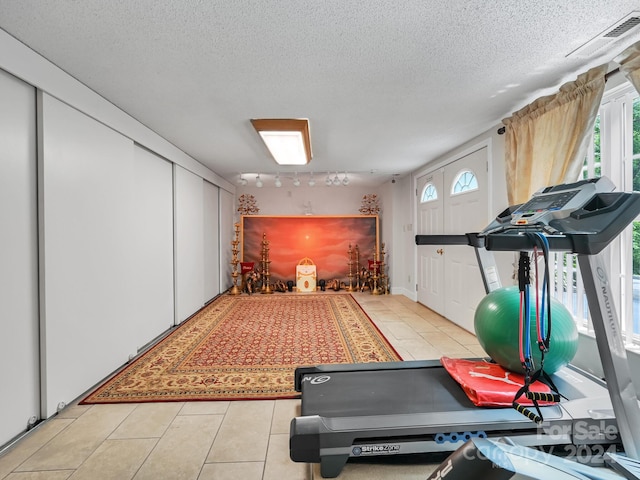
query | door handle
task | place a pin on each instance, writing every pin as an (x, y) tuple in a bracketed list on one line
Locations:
[(440, 251)]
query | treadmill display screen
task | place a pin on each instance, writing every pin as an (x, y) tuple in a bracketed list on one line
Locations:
[(548, 202)]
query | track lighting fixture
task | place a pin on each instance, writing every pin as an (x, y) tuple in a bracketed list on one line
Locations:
[(327, 181), (297, 181)]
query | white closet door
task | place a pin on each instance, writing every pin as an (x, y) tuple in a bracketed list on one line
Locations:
[(152, 241), (19, 375), (188, 243), (211, 223), (88, 257)]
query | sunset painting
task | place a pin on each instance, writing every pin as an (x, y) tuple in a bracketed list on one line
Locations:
[(323, 239)]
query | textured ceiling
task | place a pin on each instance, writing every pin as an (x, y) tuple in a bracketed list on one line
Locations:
[(388, 85)]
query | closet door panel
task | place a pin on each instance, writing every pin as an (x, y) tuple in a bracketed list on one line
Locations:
[(152, 240), (189, 243), (211, 222), (20, 375), (88, 255)]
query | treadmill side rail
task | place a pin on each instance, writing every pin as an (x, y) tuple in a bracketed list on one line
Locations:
[(612, 352)]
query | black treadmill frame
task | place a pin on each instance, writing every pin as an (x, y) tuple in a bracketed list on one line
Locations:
[(586, 231)]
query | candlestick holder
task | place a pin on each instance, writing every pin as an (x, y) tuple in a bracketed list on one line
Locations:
[(235, 290), (350, 287), (358, 280), (384, 279), (376, 276), (266, 285)]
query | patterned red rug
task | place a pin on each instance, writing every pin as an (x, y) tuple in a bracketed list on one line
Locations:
[(247, 348)]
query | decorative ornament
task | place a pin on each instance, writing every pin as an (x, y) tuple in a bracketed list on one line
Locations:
[(247, 205), (370, 204)]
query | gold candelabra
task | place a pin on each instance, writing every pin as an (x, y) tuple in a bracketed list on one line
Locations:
[(357, 268), (266, 287), (350, 287), (384, 280), (235, 290), (375, 276)]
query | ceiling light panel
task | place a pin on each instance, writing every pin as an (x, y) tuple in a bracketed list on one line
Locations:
[(287, 140)]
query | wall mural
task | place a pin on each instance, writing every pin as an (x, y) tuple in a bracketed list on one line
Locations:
[(323, 239)]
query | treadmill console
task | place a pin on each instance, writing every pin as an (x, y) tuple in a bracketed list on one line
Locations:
[(581, 217), (557, 202)]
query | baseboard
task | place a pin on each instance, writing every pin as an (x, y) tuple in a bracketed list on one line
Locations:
[(403, 291)]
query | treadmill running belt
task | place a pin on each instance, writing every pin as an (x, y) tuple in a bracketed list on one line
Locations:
[(385, 392)]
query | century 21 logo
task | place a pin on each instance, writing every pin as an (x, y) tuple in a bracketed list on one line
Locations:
[(443, 471)]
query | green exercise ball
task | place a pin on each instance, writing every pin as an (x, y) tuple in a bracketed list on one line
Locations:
[(496, 325)]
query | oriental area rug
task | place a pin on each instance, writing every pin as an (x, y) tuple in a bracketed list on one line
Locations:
[(247, 348)]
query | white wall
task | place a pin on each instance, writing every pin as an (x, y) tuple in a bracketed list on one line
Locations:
[(399, 226), (19, 336), (324, 200)]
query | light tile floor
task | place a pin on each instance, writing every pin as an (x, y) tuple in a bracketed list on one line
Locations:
[(217, 440)]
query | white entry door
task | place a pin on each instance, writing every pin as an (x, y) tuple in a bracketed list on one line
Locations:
[(449, 280), (465, 210), (430, 258)]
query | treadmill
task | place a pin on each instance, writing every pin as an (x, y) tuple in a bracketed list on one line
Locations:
[(415, 407)]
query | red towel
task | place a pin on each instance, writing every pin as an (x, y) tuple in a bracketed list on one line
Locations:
[(488, 384)]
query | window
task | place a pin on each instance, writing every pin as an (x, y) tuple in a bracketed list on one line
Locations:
[(614, 152), (429, 193), (465, 182), (634, 141)]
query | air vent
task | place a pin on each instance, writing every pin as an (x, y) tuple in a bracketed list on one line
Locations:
[(625, 28)]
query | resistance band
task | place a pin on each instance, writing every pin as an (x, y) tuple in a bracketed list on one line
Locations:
[(543, 330)]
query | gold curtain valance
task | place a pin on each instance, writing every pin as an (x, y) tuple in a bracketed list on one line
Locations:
[(547, 140), (629, 61)]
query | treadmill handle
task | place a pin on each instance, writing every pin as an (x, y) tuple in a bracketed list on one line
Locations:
[(442, 240)]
